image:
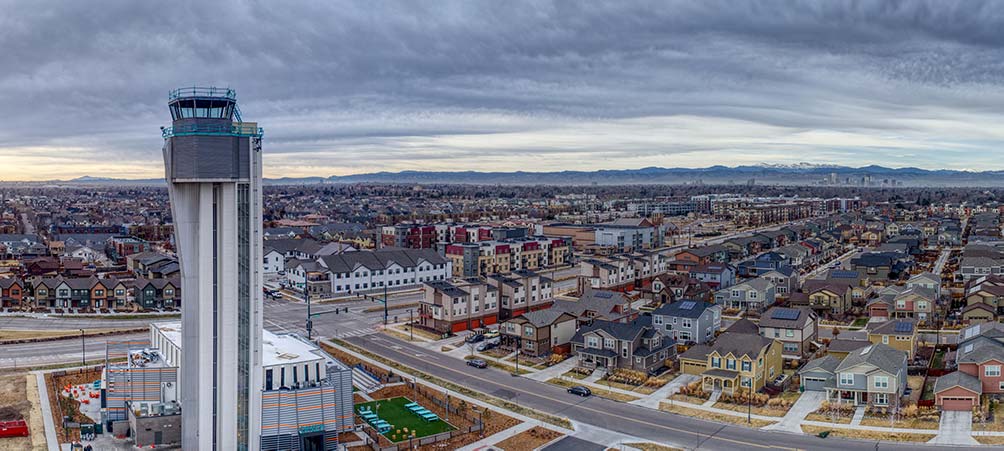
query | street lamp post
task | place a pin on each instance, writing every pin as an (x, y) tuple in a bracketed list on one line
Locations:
[(411, 324), (82, 347), (310, 322)]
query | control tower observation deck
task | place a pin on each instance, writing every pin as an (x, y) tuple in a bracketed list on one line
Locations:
[(209, 140)]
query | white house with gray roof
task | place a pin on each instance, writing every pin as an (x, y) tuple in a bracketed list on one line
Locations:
[(872, 375), (752, 295), (688, 320)]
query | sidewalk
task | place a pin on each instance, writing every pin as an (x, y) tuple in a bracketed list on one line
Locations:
[(652, 401), (553, 371), (497, 437), (806, 404), (733, 413), (50, 426)]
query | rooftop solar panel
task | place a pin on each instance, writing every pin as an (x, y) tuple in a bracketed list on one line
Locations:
[(688, 305), (785, 314), (904, 327), (604, 294)]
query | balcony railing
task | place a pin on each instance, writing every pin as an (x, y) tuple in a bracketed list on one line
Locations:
[(201, 91), (235, 129)]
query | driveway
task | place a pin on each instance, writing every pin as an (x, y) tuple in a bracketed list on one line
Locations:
[(652, 401), (806, 404), (956, 428)]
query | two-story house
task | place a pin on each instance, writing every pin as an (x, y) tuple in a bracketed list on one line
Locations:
[(785, 280), (795, 328), (538, 333), (826, 298), (157, 293), (734, 362), (899, 334), (634, 345), (11, 292), (872, 375), (670, 287), (598, 305), (688, 320), (753, 295), (718, 275), (980, 359)]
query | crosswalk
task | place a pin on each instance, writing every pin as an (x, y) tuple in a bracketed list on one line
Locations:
[(356, 333)]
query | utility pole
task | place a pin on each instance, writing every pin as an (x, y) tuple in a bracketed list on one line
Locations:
[(385, 304), (82, 347)]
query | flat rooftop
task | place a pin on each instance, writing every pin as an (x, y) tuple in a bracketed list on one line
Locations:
[(285, 349)]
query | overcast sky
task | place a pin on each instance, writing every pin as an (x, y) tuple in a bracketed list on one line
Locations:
[(352, 87)]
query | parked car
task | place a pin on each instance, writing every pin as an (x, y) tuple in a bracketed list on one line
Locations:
[(579, 390), (488, 344), (655, 372), (475, 338), (492, 333), (477, 363)]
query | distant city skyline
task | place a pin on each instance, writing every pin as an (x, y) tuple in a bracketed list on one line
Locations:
[(356, 87)]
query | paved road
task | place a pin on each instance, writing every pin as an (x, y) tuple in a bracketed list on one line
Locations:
[(648, 424), (58, 351), (69, 323)]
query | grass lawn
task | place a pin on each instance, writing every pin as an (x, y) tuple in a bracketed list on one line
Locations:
[(902, 423), (938, 359), (394, 412), (859, 323), (575, 375), (828, 418), (989, 439), (868, 435), (646, 446), (697, 413)]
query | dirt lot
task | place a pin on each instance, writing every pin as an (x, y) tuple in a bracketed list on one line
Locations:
[(529, 439), (19, 400)]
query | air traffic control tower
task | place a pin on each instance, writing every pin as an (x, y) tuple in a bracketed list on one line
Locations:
[(213, 170)]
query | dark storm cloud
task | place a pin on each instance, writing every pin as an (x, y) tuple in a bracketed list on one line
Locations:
[(459, 85)]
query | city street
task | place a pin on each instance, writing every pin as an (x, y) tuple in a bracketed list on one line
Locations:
[(648, 424)]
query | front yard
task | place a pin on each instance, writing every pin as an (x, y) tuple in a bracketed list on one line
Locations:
[(713, 416), (988, 421), (869, 435), (775, 407)]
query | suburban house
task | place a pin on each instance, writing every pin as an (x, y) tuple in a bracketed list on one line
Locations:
[(826, 297), (633, 345), (688, 320), (795, 328), (926, 280), (598, 305), (899, 334), (752, 295), (980, 358), (11, 292), (670, 287), (872, 375), (718, 275), (978, 313), (704, 255), (903, 302), (735, 360), (539, 333), (785, 280)]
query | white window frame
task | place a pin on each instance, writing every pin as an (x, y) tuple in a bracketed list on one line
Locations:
[(992, 371), (846, 379), (881, 381)]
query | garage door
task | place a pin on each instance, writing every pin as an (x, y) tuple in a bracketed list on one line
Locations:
[(956, 403), (692, 368)]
